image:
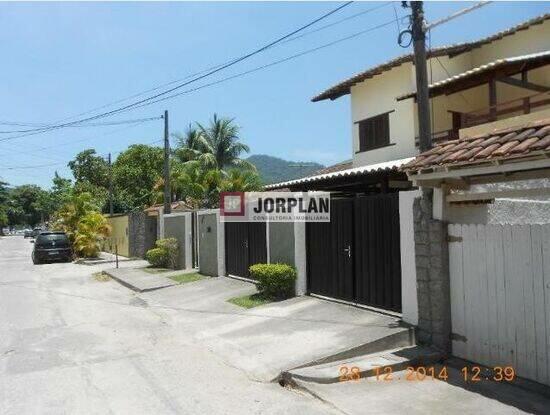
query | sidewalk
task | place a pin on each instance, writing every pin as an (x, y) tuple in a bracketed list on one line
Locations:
[(104, 258), (402, 393), (139, 280)]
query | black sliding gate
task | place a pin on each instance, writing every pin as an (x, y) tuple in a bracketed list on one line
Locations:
[(357, 256), (245, 245)]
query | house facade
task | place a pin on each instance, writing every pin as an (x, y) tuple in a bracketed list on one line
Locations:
[(489, 95), (384, 123)]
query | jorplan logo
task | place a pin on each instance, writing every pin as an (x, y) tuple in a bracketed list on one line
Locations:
[(275, 207)]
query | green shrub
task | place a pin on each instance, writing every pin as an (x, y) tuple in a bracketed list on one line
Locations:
[(274, 280), (157, 257), (165, 255)]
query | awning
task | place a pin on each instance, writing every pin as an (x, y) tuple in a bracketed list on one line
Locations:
[(482, 74), (387, 166)]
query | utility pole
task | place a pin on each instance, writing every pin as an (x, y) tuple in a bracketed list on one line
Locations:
[(110, 186), (167, 192), (422, 95)]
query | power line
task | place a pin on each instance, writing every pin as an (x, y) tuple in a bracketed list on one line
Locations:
[(36, 166), (277, 62), (121, 122), (213, 71), (345, 19), (65, 143), (156, 88), (31, 167)]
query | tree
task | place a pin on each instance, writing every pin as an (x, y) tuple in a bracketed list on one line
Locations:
[(136, 171), (189, 146), (4, 196), (87, 167), (24, 205), (85, 226), (241, 181), (61, 190), (215, 146), (68, 217), (91, 231), (198, 186)]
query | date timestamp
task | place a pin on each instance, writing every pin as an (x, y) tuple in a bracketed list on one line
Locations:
[(422, 373)]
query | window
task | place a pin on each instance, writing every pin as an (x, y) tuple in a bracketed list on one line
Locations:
[(374, 132)]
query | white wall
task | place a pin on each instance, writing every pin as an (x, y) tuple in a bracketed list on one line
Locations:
[(300, 257), (534, 39), (377, 96), (409, 298)]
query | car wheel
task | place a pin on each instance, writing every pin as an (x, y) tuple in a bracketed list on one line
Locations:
[(35, 261)]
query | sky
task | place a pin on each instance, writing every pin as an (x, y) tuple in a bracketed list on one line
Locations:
[(63, 59)]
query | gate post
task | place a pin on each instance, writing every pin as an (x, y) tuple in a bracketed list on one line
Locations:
[(300, 257), (432, 274), (220, 232)]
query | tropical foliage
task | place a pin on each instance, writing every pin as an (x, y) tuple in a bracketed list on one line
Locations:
[(206, 160), (85, 226), (91, 232)]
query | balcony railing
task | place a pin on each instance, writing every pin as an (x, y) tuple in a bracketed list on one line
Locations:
[(503, 110)]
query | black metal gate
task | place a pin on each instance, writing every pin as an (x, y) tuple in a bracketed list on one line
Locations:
[(357, 257), (245, 245)]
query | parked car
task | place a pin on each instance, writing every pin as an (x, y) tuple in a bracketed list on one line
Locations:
[(36, 232), (28, 233), (51, 246)]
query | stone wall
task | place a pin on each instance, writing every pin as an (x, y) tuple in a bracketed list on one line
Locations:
[(432, 274), (142, 233)]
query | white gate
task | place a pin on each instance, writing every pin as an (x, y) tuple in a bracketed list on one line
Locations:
[(500, 296)]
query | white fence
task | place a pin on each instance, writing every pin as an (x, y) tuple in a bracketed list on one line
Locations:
[(500, 296)]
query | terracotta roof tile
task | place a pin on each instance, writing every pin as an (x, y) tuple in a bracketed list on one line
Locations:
[(543, 143), (512, 142)]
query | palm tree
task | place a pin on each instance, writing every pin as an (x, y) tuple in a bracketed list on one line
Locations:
[(190, 145), (222, 148), (91, 231), (241, 181)]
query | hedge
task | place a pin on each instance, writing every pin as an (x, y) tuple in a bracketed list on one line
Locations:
[(274, 280)]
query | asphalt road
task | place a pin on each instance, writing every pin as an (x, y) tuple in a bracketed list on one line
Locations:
[(70, 344)]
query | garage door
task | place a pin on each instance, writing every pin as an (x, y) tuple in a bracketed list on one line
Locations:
[(356, 257), (245, 245), (500, 296)]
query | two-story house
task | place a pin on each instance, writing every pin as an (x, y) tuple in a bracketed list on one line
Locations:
[(366, 255)]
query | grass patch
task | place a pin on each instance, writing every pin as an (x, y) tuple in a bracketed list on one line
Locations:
[(184, 278), (251, 301), (154, 270), (101, 277)]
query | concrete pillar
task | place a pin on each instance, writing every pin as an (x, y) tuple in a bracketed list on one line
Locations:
[(188, 241), (221, 244), (409, 298), (300, 257)]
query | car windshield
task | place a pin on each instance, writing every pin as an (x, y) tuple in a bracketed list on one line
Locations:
[(52, 237)]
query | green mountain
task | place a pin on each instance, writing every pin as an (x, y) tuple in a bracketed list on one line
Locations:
[(274, 170)]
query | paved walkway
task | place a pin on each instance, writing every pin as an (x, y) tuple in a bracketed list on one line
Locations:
[(139, 280)]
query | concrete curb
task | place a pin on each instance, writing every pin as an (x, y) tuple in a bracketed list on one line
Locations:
[(368, 365), (161, 282)]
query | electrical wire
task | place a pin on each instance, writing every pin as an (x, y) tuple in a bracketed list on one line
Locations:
[(277, 62), (65, 143), (121, 122), (227, 65)]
